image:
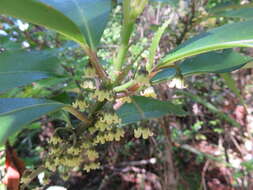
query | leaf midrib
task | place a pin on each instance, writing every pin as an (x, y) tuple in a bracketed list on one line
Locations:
[(28, 107), (204, 49)]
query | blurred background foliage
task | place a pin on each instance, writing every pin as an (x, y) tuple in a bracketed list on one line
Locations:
[(212, 147)]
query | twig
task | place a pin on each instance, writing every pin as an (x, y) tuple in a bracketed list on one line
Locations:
[(77, 114), (203, 173), (187, 23), (33, 175)]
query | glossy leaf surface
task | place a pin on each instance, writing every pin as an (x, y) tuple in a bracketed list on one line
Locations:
[(211, 62), (81, 20), (90, 16), (18, 68), (143, 108), (227, 36), (38, 13), (17, 112)]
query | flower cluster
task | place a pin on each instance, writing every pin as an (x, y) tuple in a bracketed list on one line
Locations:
[(79, 149), (92, 155), (65, 153), (105, 122), (81, 105), (110, 136), (88, 85), (125, 99), (144, 132), (149, 92), (91, 166), (178, 83), (102, 95), (55, 140), (110, 118)]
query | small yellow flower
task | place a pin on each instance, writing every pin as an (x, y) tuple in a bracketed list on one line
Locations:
[(145, 133), (86, 145), (55, 140), (100, 125), (102, 95), (81, 105), (92, 155), (91, 166), (88, 85), (137, 133), (149, 92), (126, 99)]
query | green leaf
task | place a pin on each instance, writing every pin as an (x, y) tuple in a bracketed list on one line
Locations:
[(72, 18), (244, 11), (38, 13), (155, 44), (211, 62), (17, 112), (143, 108), (227, 36), (172, 2), (90, 16), (19, 67), (231, 83)]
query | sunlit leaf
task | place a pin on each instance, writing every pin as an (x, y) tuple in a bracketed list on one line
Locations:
[(90, 16), (155, 44), (38, 13), (79, 20), (227, 36)]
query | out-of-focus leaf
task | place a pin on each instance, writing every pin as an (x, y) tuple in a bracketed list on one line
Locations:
[(231, 83), (227, 36), (245, 13), (143, 108), (171, 2), (232, 10), (212, 108), (211, 62), (17, 112), (18, 68)]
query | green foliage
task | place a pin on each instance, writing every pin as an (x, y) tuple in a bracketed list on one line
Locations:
[(142, 108), (234, 11), (90, 16), (110, 90), (16, 113), (212, 62), (42, 14), (21, 67), (215, 39)]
